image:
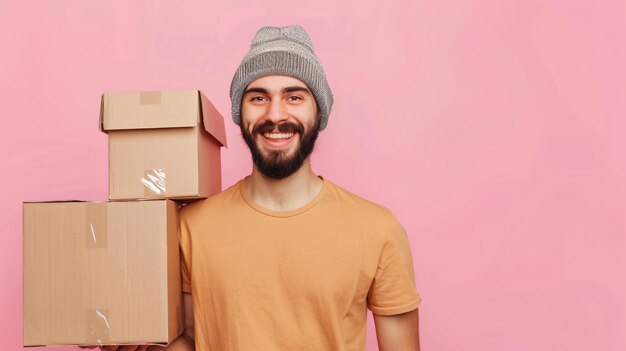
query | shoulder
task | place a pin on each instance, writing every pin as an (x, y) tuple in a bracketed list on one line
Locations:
[(218, 203), (351, 202), (363, 215)]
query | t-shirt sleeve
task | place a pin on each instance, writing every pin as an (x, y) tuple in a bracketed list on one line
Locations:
[(393, 289), (185, 253)]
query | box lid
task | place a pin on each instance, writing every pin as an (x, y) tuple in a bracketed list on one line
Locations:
[(160, 109)]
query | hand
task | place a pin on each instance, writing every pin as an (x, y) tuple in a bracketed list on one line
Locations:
[(118, 347)]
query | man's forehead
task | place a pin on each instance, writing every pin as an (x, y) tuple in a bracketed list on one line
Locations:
[(276, 82)]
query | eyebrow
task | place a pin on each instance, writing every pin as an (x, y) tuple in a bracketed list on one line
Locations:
[(285, 90), (292, 89)]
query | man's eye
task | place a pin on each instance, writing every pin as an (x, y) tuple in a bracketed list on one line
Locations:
[(294, 98), (257, 98)]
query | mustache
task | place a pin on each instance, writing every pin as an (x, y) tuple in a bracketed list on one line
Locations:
[(284, 127)]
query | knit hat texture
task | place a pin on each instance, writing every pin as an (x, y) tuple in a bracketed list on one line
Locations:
[(286, 51)]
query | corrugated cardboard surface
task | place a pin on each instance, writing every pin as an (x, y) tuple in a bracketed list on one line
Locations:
[(209, 160), (101, 273), (162, 145), (213, 120), (146, 110), (154, 163)]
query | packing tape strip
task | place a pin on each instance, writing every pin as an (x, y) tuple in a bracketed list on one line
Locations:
[(154, 182), (97, 326), (150, 98), (96, 223)]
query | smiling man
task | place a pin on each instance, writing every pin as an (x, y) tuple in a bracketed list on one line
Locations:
[(279, 145), (285, 259)]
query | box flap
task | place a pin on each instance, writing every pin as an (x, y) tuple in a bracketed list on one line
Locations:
[(213, 120), (148, 110), (53, 201)]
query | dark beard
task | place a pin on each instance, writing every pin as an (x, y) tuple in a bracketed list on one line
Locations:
[(276, 164)]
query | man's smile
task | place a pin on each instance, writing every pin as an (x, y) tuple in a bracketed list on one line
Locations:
[(278, 139), (278, 135)]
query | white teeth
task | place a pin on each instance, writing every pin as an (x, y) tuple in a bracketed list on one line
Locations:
[(278, 135)]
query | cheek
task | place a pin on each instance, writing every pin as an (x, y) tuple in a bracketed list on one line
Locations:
[(249, 111), (305, 114), (247, 119), (246, 126)]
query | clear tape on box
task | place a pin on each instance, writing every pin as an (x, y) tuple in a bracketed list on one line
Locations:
[(96, 231), (97, 326), (154, 182), (96, 237)]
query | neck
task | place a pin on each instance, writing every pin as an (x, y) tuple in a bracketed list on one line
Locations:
[(285, 194)]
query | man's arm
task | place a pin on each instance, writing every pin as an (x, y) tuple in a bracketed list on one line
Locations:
[(398, 332)]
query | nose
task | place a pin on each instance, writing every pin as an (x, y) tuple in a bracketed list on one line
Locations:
[(277, 112)]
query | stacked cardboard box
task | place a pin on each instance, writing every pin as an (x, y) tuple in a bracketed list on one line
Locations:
[(98, 273), (162, 144)]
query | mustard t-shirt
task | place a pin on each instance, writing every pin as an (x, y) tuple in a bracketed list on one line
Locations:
[(294, 280)]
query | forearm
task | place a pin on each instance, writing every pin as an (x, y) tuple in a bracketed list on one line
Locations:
[(182, 343)]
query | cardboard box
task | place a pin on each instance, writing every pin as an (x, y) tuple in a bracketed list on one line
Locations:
[(101, 273), (162, 145)]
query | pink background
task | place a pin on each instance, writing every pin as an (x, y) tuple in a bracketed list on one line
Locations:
[(495, 131)]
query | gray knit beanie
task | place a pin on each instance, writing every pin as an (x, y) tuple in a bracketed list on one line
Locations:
[(287, 51)]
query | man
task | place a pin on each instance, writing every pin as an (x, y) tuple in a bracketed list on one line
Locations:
[(285, 259)]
